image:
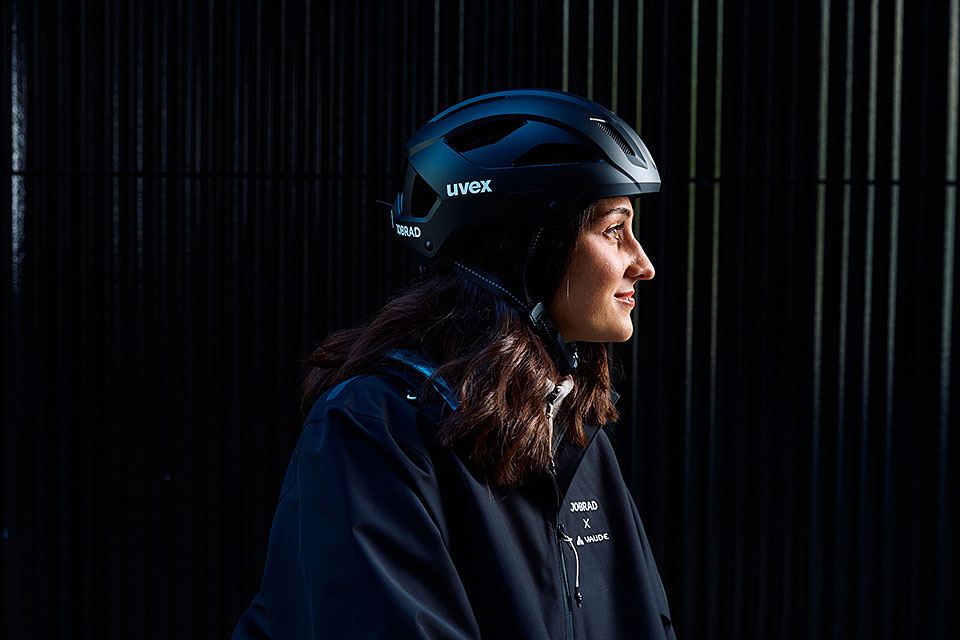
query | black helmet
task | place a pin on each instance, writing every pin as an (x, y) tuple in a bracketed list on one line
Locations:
[(522, 158)]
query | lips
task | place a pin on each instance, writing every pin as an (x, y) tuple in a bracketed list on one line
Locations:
[(626, 297)]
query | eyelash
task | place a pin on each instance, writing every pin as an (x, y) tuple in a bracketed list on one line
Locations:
[(615, 230)]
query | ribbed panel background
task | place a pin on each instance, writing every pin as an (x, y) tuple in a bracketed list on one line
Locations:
[(192, 192)]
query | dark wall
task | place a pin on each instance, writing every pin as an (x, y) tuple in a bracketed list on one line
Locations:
[(193, 204)]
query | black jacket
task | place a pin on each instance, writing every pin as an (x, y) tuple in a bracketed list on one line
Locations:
[(381, 532)]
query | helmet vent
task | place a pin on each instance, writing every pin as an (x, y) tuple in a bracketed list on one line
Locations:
[(610, 131), (557, 153), (484, 134), (422, 198)]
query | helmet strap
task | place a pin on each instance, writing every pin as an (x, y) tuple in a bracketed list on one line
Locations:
[(564, 356), (531, 248)]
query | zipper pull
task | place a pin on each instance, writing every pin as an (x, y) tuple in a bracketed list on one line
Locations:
[(576, 588), (555, 398), (553, 395)]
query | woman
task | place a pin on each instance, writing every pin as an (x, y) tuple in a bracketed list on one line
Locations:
[(451, 480)]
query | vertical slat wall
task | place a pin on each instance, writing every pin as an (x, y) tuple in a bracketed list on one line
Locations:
[(192, 192)]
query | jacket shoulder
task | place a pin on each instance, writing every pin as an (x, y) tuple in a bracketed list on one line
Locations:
[(379, 404), (366, 394)]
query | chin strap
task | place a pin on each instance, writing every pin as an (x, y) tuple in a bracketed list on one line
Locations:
[(564, 356), (531, 248)]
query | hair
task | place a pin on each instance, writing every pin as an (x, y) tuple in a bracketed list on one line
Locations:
[(488, 354)]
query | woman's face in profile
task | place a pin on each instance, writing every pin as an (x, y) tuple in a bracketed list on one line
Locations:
[(595, 296)]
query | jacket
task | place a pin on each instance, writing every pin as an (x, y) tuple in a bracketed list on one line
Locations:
[(381, 532)]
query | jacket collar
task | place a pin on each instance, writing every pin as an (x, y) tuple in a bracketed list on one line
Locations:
[(415, 369), (569, 457)]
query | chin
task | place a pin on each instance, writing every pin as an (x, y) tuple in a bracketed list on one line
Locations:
[(619, 333), (613, 335), (600, 332)]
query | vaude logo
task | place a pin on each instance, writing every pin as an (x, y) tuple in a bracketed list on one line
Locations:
[(463, 188), (599, 537), (409, 232)]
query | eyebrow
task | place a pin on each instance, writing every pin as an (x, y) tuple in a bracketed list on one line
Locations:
[(617, 210)]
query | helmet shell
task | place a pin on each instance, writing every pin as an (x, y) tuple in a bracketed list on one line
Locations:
[(527, 158)]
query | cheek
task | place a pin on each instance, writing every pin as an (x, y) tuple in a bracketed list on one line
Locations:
[(591, 291), (597, 277)]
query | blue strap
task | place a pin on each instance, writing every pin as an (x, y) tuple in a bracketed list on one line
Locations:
[(420, 364)]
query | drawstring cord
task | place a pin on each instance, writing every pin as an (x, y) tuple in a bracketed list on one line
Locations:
[(576, 588)]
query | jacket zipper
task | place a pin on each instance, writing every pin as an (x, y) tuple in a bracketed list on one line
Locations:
[(567, 605)]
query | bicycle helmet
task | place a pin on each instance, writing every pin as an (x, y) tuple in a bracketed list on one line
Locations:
[(525, 159)]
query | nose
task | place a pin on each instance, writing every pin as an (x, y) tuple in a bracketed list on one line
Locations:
[(641, 268)]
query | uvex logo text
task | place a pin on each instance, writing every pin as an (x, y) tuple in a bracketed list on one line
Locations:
[(463, 188)]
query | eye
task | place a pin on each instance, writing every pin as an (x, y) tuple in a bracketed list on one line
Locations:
[(614, 231)]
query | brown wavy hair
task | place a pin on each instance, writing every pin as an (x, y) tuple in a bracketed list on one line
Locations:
[(487, 353)]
